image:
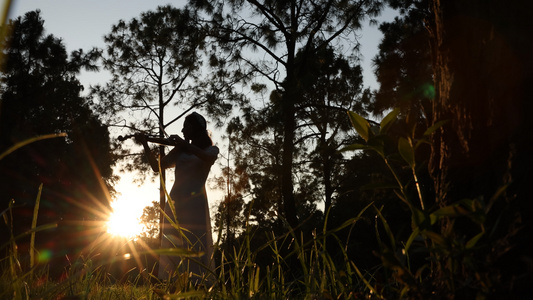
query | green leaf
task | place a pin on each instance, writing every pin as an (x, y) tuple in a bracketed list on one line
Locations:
[(412, 237), (472, 242), (360, 124), (388, 120), (175, 252), (377, 143), (364, 279), (199, 294), (400, 272), (422, 141), (435, 237), (388, 231), (419, 220), (495, 197), (406, 151), (256, 282), (374, 130), (29, 232), (433, 128), (455, 210), (427, 133)]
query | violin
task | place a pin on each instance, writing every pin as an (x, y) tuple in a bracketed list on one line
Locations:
[(156, 140)]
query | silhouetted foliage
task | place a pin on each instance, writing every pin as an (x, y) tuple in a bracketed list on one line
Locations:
[(278, 30), (403, 66), (471, 234), (41, 95), (155, 63), (150, 221), (333, 84), (433, 202)]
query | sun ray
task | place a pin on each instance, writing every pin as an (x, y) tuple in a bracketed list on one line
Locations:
[(124, 219)]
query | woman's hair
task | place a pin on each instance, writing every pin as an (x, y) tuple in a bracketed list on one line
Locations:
[(201, 136)]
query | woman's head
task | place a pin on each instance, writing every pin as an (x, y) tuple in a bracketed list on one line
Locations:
[(195, 130), (196, 121)]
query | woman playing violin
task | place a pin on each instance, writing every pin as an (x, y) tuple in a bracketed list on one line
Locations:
[(192, 158)]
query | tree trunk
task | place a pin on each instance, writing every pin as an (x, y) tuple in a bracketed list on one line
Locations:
[(483, 78), (162, 195), (482, 73), (480, 89), (287, 186), (289, 100)]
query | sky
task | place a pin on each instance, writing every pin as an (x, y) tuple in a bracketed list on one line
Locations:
[(82, 24)]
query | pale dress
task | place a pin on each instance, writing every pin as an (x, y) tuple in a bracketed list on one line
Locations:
[(192, 213)]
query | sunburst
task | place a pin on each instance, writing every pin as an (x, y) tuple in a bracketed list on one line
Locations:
[(124, 219)]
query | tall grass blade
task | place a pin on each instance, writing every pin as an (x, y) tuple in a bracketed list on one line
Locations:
[(4, 29), (29, 141), (34, 225), (386, 226), (29, 232), (366, 282)]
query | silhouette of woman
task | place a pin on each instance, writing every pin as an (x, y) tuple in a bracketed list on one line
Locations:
[(192, 158)]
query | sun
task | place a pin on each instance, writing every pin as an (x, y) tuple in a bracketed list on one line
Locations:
[(124, 220)]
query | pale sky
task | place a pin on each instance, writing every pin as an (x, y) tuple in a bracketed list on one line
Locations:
[(83, 23)]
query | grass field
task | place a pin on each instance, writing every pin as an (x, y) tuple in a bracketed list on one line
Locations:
[(306, 271)]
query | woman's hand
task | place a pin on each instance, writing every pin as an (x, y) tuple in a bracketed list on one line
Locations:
[(179, 142), (141, 138)]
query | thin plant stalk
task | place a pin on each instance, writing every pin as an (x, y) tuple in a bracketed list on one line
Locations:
[(33, 225)]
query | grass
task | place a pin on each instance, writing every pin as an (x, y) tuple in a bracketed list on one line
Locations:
[(286, 266), (238, 276), (303, 270), (111, 268)]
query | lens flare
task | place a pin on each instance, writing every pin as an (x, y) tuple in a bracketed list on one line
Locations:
[(44, 256), (428, 90), (124, 219)]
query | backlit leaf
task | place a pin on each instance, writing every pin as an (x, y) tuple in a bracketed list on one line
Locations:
[(433, 128), (360, 124), (406, 151), (388, 120)]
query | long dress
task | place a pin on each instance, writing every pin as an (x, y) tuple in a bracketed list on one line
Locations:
[(189, 198)]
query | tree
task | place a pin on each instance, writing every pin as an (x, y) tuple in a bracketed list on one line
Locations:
[(231, 217), (230, 220), (279, 30), (403, 66), (150, 221), (255, 141), (333, 87), (41, 95), (483, 72), (155, 64)]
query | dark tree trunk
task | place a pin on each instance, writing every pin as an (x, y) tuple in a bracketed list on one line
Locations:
[(483, 74), (287, 186), (328, 187), (162, 195), (481, 83), (289, 100)]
